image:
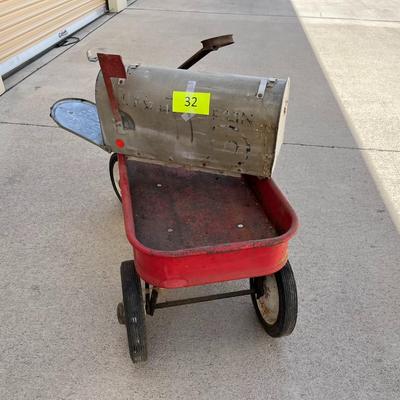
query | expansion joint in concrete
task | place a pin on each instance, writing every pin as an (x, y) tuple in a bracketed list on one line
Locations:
[(327, 146)]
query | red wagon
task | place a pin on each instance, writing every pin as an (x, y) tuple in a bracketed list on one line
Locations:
[(194, 228), (190, 228)]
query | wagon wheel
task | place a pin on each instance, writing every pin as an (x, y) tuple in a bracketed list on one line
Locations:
[(131, 312), (275, 301), (114, 174)]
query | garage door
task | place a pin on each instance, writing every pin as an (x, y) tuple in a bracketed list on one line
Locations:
[(29, 27)]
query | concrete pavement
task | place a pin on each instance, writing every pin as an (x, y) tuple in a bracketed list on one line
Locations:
[(62, 236)]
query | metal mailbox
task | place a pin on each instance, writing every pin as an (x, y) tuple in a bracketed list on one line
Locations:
[(222, 123), (239, 128)]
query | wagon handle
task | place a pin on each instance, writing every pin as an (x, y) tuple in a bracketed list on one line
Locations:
[(209, 45)]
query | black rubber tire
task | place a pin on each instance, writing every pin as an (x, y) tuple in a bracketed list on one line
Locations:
[(134, 314), (112, 162), (287, 313)]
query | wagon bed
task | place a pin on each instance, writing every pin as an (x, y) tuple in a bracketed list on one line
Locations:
[(193, 228), (177, 209)]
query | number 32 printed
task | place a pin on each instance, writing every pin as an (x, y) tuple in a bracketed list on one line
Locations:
[(190, 101)]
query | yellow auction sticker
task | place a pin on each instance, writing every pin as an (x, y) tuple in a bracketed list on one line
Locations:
[(191, 102)]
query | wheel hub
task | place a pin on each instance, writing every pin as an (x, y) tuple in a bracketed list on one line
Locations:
[(268, 303)]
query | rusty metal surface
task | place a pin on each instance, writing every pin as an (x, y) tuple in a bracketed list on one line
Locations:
[(177, 209), (241, 134)]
